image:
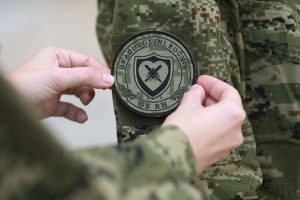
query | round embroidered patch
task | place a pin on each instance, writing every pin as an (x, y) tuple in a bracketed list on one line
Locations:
[(153, 69)]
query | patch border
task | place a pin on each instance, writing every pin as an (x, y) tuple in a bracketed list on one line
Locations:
[(120, 48)]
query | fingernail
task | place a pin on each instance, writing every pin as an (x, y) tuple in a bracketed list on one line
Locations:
[(108, 79), (83, 119)]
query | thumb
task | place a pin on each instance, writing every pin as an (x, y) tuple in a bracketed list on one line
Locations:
[(195, 96), (83, 76)]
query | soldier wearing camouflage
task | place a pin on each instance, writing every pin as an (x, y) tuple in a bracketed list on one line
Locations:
[(34, 166), (213, 34)]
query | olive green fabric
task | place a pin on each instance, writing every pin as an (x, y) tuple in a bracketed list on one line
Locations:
[(271, 31), (33, 166), (265, 36), (216, 53)]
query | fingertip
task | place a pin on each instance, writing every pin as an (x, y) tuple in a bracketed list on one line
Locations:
[(94, 62), (217, 89), (194, 87), (108, 79), (196, 94), (207, 82), (87, 97), (81, 116), (202, 78), (199, 89)]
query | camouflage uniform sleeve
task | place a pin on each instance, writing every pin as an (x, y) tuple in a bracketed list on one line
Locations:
[(211, 29), (158, 166), (271, 31), (34, 166), (104, 26)]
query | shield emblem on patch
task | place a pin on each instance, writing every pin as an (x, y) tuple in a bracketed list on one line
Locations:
[(153, 73)]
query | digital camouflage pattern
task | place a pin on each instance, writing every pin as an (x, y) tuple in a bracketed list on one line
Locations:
[(203, 25), (272, 62), (266, 41), (34, 166)]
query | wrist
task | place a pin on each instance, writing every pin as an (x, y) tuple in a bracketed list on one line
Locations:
[(177, 151)]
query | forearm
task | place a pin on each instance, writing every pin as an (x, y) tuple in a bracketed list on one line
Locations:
[(167, 150), (162, 160)]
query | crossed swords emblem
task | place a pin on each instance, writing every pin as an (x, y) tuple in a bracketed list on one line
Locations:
[(153, 74)]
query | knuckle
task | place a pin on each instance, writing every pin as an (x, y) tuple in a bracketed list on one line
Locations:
[(89, 73), (58, 78), (238, 140), (241, 115), (238, 114), (93, 76), (236, 92), (87, 61)]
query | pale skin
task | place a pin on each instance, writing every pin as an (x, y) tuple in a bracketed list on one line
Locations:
[(210, 114), (53, 72)]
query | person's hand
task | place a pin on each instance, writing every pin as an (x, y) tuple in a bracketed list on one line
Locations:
[(53, 72), (211, 115)]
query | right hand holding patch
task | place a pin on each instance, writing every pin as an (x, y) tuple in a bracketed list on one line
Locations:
[(211, 115)]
